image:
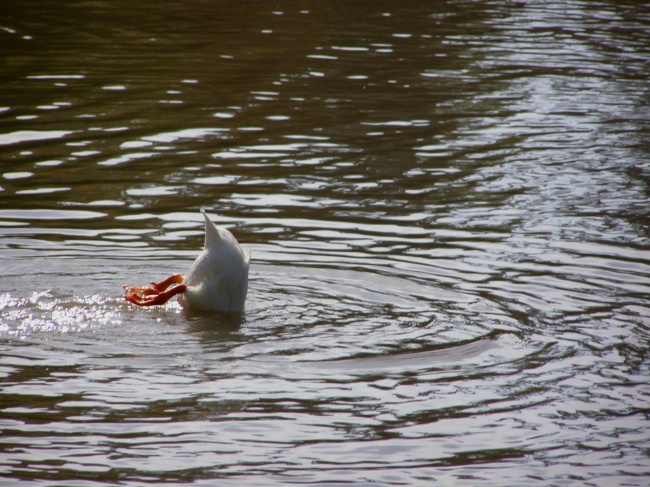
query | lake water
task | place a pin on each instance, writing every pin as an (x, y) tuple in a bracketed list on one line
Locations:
[(448, 205)]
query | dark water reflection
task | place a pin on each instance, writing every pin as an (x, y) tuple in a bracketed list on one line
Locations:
[(448, 210)]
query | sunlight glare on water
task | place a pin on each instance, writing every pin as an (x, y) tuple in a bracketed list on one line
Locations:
[(447, 206)]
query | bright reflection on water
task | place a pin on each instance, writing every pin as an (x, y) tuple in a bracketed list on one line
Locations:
[(447, 206)]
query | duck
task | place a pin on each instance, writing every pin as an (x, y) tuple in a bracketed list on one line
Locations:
[(217, 281)]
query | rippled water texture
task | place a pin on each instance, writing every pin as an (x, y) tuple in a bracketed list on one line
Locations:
[(448, 209)]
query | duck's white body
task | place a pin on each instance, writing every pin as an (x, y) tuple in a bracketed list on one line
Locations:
[(218, 279)]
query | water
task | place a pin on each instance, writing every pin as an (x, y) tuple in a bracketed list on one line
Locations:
[(447, 204)]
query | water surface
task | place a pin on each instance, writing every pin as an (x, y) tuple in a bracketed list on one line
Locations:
[(447, 206)]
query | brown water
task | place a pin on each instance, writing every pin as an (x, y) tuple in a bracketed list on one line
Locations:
[(448, 208)]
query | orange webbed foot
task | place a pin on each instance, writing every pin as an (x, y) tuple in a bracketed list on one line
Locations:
[(162, 285), (155, 294)]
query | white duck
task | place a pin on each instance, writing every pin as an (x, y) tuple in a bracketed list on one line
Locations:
[(217, 281)]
